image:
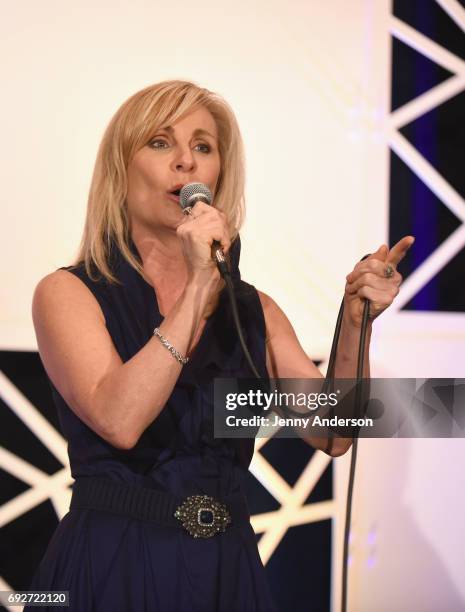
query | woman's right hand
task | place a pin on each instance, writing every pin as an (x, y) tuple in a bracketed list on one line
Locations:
[(197, 233)]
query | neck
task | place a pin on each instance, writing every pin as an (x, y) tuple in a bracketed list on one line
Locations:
[(161, 254)]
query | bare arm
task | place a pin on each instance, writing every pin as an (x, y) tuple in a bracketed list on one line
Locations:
[(118, 401), (347, 353), (285, 358)]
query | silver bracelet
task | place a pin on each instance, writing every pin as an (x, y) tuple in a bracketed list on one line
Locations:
[(170, 347)]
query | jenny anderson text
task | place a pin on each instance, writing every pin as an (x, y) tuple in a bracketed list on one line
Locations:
[(314, 421)]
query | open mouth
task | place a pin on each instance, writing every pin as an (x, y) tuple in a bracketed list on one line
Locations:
[(177, 190)]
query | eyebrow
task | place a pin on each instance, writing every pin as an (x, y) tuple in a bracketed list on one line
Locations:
[(197, 132)]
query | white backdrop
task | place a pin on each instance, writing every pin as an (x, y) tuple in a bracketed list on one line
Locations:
[(297, 79), (310, 85)]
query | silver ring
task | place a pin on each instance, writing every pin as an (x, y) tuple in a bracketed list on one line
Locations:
[(389, 271)]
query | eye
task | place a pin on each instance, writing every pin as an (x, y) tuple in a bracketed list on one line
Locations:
[(158, 143), (203, 147)]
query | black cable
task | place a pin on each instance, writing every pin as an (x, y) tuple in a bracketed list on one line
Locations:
[(353, 458), (329, 381), (226, 275), (332, 355)]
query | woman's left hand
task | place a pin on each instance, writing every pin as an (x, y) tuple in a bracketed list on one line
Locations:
[(376, 279)]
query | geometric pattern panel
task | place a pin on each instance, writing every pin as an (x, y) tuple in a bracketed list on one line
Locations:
[(416, 210), (439, 135), (34, 472), (289, 491), (413, 74), (31, 449), (433, 20), (295, 450), (10, 486), (323, 489), (297, 454), (426, 137), (448, 287)]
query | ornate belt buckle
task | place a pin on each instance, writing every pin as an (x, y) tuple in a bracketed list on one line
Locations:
[(202, 516)]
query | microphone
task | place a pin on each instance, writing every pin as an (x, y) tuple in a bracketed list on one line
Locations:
[(192, 193), (189, 195)]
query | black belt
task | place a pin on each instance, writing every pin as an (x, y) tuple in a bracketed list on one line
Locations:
[(201, 515)]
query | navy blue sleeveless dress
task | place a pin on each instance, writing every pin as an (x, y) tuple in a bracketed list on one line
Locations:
[(112, 562)]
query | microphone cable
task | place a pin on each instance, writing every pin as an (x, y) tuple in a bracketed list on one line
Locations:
[(197, 191), (226, 276), (329, 381)]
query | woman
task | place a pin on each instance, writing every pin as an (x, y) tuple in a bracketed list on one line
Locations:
[(138, 417)]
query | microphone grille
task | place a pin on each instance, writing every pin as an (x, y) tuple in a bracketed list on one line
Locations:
[(192, 193)]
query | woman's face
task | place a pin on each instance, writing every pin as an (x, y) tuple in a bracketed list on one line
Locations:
[(184, 152)]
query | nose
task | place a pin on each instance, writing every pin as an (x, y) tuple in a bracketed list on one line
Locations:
[(184, 160)]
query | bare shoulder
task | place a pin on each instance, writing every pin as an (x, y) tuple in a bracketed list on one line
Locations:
[(265, 300), (275, 319), (59, 289), (269, 305)]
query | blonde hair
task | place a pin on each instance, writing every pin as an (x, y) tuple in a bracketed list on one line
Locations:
[(129, 130)]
